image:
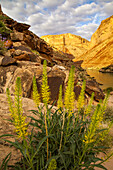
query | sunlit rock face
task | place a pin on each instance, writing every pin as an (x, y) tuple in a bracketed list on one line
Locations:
[(100, 53), (104, 31), (68, 43)]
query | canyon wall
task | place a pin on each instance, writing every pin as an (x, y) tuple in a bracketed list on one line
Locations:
[(68, 43), (95, 54)]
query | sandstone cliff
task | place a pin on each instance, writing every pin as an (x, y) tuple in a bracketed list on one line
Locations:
[(104, 31), (95, 54), (100, 53), (68, 43)]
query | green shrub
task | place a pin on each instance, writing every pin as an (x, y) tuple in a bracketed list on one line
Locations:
[(4, 31), (64, 139), (3, 17)]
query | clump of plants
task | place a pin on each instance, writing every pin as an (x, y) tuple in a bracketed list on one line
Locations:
[(4, 34), (64, 139), (4, 31)]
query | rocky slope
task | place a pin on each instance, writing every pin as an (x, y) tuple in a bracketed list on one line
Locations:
[(24, 58), (68, 43), (100, 53)]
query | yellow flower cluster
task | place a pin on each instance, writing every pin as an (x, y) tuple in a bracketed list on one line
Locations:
[(88, 108), (80, 102), (60, 103), (45, 88), (18, 119), (96, 120), (69, 94), (52, 165), (36, 96), (20, 125)]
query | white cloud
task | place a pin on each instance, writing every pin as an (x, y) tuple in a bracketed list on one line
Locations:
[(87, 9), (108, 8), (36, 18), (87, 30), (50, 3)]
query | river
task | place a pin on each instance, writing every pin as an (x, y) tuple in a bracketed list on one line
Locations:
[(103, 78)]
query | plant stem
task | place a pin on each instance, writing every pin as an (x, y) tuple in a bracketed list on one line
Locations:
[(62, 131), (46, 129)]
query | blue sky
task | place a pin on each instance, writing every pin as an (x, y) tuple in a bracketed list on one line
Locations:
[(46, 17)]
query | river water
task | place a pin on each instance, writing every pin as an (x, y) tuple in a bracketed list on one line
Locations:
[(103, 78)]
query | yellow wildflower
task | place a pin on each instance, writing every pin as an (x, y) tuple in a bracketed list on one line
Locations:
[(45, 88), (52, 165), (36, 96), (18, 118), (69, 94), (88, 109), (60, 103), (80, 102), (96, 119)]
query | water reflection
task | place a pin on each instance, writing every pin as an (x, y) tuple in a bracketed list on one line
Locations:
[(103, 78)]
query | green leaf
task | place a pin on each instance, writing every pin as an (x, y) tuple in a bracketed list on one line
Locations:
[(5, 161), (6, 135), (100, 166), (63, 159), (40, 144)]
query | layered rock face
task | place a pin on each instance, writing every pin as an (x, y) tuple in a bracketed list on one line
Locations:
[(99, 56), (68, 43), (100, 53), (104, 31)]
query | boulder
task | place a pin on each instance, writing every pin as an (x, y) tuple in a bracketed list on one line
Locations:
[(36, 43), (6, 75), (24, 53), (16, 44), (1, 58), (22, 48), (16, 36), (25, 70), (56, 78), (24, 57), (20, 26), (26, 79), (8, 61), (92, 86), (18, 52)]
